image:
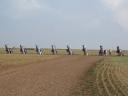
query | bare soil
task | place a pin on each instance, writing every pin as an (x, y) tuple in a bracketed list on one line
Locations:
[(56, 77)]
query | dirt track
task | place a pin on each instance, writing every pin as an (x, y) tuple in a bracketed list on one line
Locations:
[(50, 78)]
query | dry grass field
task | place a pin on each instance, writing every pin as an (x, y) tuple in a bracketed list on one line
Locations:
[(8, 61), (107, 78), (62, 75), (112, 77)]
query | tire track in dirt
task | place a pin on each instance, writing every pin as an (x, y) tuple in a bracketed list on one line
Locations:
[(111, 79), (106, 78)]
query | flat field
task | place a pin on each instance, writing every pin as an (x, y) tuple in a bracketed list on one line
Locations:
[(34, 75), (109, 77), (62, 75)]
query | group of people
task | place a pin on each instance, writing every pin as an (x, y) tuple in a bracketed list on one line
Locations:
[(40, 51), (105, 52)]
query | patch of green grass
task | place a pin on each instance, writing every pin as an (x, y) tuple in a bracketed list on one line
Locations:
[(119, 59), (87, 84)]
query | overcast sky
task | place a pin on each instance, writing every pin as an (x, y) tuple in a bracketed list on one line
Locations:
[(62, 22)]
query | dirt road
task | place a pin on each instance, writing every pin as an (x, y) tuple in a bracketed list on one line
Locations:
[(55, 77)]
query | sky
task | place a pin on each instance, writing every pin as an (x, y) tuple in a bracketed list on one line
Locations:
[(61, 22)]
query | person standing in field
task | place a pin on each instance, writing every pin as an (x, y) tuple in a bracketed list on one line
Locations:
[(54, 50), (101, 51), (23, 50), (39, 50), (85, 50), (119, 51), (8, 50), (69, 50)]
